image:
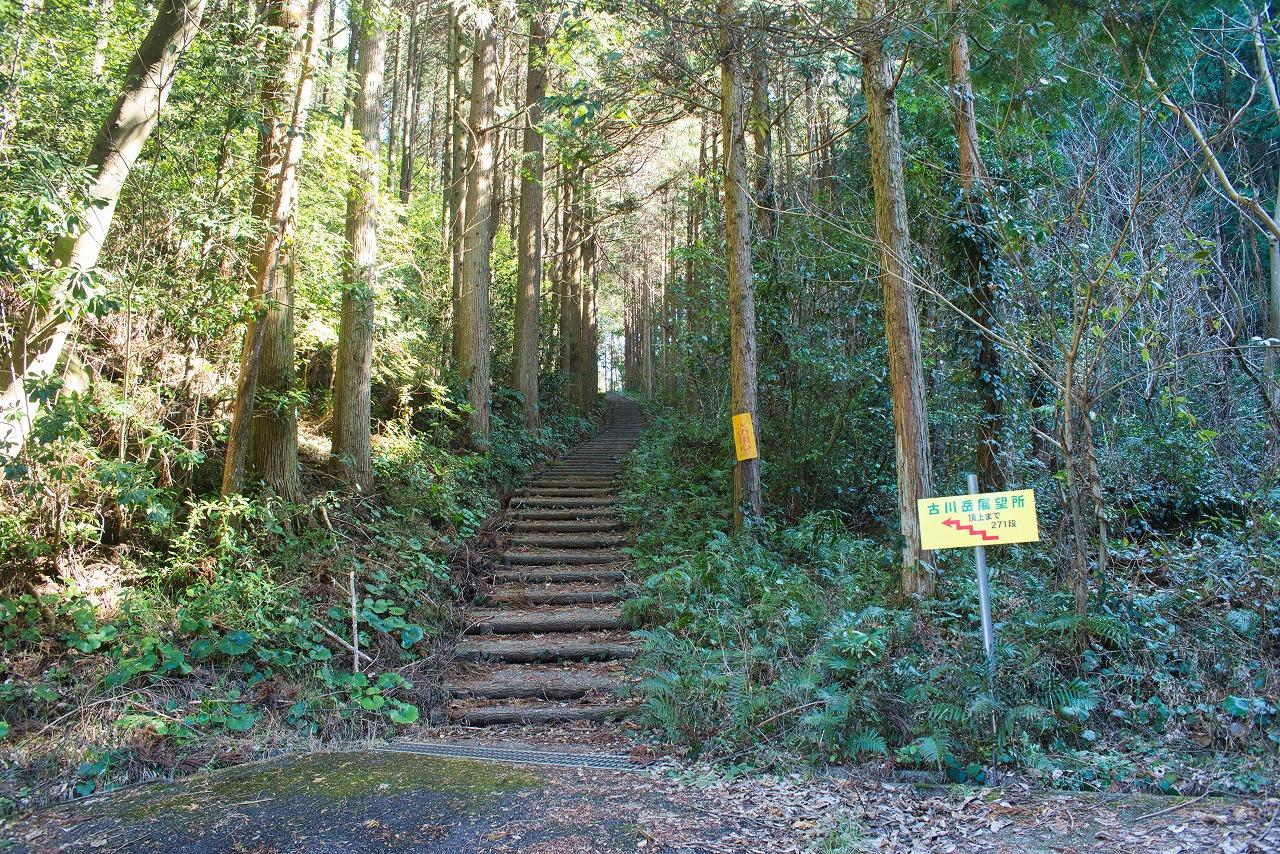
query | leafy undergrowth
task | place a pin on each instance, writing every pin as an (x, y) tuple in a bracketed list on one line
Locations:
[(217, 631), (787, 644)]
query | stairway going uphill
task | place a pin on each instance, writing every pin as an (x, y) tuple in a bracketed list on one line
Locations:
[(545, 638)]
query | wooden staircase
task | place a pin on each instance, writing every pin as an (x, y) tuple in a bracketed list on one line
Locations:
[(545, 640)]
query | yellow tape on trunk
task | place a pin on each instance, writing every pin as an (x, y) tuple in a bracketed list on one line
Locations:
[(744, 437)]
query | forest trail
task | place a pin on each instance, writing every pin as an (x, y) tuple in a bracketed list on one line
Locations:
[(545, 636)]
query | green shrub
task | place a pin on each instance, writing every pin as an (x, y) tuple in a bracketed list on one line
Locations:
[(783, 642)]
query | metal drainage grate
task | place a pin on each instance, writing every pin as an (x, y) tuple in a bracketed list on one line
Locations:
[(517, 755)]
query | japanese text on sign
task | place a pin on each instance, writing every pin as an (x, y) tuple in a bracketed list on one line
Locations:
[(744, 437), (985, 519)]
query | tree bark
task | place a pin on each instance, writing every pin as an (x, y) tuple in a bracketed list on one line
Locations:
[(477, 237), (266, 438), (901, 321), (352, 440), (413, 107), (38, 341), (529, 273), (102, 37), (588, 357), (571, 279), (760, 124), (644, 333), (9, 100), (447, 189), (348, 79), (395, 58), (458, 148), (1272, 388), (980, 259), (552, 230), (747, 499)]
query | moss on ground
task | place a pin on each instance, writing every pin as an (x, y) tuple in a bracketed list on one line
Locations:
[(465, 786)]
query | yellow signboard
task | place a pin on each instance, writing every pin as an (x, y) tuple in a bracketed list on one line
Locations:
[(744, 437), (985, 519)]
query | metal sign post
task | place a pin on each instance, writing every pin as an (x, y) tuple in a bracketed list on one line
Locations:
[(988, 636), (984, 603), (969, 522)]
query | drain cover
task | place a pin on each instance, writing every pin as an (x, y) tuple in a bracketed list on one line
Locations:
[(518, 755)]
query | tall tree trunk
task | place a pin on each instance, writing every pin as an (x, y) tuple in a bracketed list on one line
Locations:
[(473, 349), (697, 206), (588, 345), (551, 229), (901, 322), (37, 342), (395, 59), (529, 274), (458, 149), (447, 189), (103, 37), (760, 124), (628, 336), (644, 332), (669, 302), (330, 30), (747, 499), (571, 277), (349, 79), (979, 250), (499, 139), (1271, 390), (433, 126), (266, 438), (1079, 537), (9, 100), (352, 441), (413, 106)]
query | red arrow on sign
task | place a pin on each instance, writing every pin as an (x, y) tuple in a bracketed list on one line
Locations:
[(977, 532)]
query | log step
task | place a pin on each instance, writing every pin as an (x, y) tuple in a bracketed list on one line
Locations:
[(539, 714), (525, 650), (566, 492), (556, 594), (569, 540), (565, 501), (603, 513), (568, 619), (557, 574), (543, 557), (538, 682), (569, 526)]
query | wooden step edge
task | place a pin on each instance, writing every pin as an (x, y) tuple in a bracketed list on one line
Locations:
[(554, 574), (540, 651), (496, 715), (551, 596)]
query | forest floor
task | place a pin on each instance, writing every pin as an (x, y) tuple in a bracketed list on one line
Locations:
[(380, 800)]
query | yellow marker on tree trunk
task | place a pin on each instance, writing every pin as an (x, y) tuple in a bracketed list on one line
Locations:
[(744, 437)]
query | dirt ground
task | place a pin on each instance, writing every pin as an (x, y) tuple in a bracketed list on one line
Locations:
[(379, 800)]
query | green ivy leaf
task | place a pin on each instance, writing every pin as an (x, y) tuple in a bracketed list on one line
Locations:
[(404, 713), (237, 643), (241, 722), (1237, 706)]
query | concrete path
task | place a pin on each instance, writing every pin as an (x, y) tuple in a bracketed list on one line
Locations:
[(386, 801)]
